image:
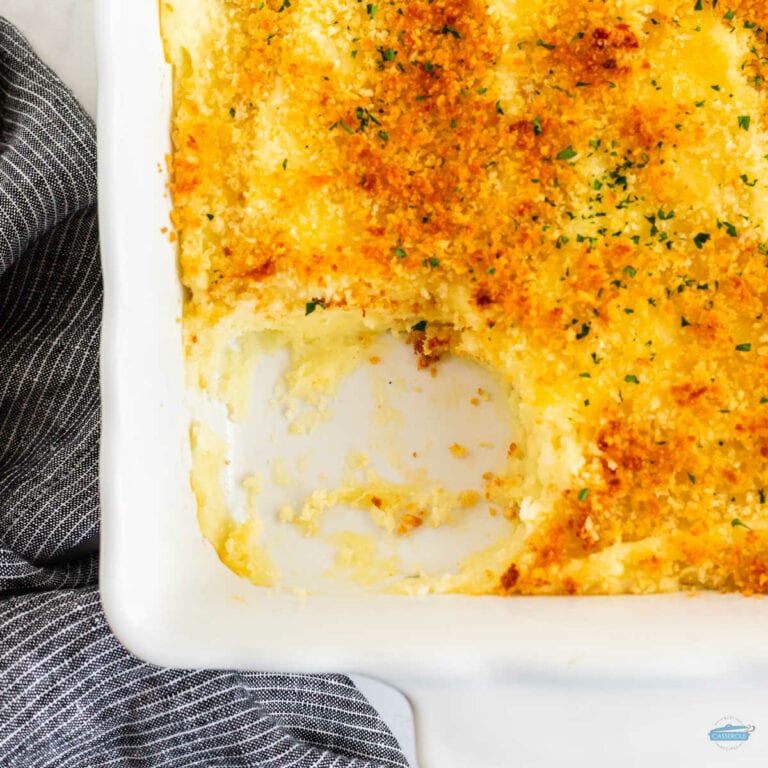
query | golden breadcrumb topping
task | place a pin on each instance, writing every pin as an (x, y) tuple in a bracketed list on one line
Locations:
[(572, 193)]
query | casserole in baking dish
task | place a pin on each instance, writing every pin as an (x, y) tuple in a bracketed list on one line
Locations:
[(567, 197), (165, 592)]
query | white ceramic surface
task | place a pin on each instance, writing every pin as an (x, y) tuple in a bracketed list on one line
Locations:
[(481, 673)]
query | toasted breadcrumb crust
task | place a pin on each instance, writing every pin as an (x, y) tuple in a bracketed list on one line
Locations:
[(571, 192)]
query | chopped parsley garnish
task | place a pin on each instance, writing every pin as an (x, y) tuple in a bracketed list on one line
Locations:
[(729, 228), (372, 10), (446, 30), (285, 163), (383, 135), (400, 253), (421, 326), (630, 270), (744, 121), (536, 123), (548, 46), (232, 112), (743, 347), (432, 262), (584, 332), (700, 239), (313, 305), (583, 493), (736, 522), (684, 323), (630, 378), (210, 216), (567, 153), (692, 478), (498, 108)]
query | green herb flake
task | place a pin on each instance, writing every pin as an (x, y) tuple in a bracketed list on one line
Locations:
[(700, 239), (735, 523), (400, 253), (744, 121), (432, 262), (498, 108), (537, 129), (729, 15), (630, 270), (210, 216), (372, 10), (548, 46), (684, 323), (584, 332), (383, 135), (583, 493), (630, 378), (420, 327), (285, 163), (313, 305), (567, 153), (744, 347), (232, 111), (692, 478), (446, 30)]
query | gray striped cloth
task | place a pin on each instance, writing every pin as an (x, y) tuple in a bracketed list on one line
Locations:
[(70, 695)]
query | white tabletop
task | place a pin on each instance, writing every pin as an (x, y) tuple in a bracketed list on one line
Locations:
[(521, 723), (61, 31)]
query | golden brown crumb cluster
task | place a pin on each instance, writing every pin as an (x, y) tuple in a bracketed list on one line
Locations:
[(572, 193)]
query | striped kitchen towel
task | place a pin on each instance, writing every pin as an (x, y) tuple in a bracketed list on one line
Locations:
[(70, 695)]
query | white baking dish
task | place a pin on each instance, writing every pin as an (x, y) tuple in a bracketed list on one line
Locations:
[(165, 593)]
